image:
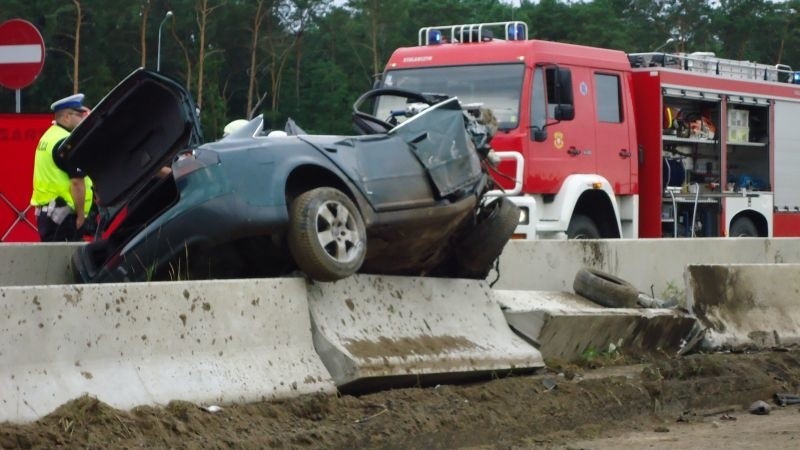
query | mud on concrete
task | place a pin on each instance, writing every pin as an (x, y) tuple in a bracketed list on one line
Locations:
[(603, 395)]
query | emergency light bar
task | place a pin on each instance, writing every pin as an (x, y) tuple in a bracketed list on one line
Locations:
[(473, 32)]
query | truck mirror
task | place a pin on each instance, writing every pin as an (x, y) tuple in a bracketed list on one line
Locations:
[(564, 112), (539, 134)]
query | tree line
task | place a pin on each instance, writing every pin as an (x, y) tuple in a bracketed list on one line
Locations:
[(309, 59)]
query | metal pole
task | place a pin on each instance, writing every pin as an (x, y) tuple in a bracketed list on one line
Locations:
[(19, 100), (669, 41), (161, 25)]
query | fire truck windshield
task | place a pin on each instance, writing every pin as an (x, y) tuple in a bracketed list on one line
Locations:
[(496, 86)]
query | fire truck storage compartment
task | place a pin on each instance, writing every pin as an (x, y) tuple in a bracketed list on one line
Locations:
[(713, 146), (786, 182), (692, 163), (747, 149)]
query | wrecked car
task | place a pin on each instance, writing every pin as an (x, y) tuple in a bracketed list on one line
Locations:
[(405, 195)]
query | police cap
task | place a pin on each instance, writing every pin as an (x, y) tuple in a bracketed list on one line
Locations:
[(73, 102)]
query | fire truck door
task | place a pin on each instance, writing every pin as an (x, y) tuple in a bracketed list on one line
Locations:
[(568, 148), (614, 149)]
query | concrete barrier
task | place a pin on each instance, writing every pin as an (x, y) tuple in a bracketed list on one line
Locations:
[(654, 266), (36, 264), (751, 305), (567, 327), (149, 343), (404, 330), (242, 340), (524, 265)]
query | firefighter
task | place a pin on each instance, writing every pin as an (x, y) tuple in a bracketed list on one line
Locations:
[(62, 194)]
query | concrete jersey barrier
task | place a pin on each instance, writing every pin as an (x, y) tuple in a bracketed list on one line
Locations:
[(567, 327), (749, 305), (400, 330), (245, 340), (36, 264), (655, 266), (149, 343)]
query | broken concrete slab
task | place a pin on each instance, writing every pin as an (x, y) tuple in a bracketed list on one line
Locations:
[(396, 331), (565, 326), (746, 305)]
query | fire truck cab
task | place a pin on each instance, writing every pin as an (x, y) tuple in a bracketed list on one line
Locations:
[(596, 143)]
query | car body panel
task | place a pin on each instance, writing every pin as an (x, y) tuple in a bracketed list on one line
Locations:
[(437, 140)]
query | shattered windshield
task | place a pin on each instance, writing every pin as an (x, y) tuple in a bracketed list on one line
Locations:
[(495, 86)]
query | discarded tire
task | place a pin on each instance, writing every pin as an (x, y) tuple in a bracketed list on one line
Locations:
[(605, 289)]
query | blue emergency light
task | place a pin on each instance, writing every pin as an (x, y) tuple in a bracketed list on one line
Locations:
[(795, 77), (515, 32), (434, 37)]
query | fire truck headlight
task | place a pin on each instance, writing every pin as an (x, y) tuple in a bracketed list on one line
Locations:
[(796, 78), (523, 215)]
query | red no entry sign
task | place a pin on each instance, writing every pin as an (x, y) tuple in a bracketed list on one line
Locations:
[(21, 53)]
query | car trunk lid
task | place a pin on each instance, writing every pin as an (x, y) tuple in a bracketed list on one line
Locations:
[(134, 131)]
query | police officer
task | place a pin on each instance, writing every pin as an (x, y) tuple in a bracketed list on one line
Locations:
[(62, 194)]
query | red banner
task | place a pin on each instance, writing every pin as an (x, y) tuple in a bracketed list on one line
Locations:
[(19, 134)]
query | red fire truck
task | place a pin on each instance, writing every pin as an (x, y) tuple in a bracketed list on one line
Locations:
[(596, 143)]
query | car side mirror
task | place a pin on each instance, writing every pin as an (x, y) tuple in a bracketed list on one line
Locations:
[(564, 112)]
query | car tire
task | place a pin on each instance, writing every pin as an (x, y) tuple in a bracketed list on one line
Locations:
[(743, 227), (327, 237), (483, 245), (582, 227), (605, 289)]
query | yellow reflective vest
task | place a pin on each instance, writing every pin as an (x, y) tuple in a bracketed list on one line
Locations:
[(50, 182)]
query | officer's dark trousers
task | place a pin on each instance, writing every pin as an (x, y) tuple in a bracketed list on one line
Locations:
[(50, 231)]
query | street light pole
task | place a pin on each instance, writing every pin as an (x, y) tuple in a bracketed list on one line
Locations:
[(158, 57)]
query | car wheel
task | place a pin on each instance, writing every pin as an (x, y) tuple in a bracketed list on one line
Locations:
[(582, 227), (605, 289), (743, 227), (327, 237), (476, 253)]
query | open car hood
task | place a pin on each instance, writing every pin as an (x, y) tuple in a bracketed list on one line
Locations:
[(134, 131)]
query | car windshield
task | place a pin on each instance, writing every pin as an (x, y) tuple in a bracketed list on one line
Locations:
[(495, 86)]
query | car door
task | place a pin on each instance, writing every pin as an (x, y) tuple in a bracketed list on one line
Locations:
[(389, 174), (439, 141)]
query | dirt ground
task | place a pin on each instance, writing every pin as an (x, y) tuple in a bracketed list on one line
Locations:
[(696, 401)]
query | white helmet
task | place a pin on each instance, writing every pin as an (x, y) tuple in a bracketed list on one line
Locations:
[(233, 126)]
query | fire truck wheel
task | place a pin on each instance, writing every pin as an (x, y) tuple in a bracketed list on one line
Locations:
[(582, 227), (743, 227), (483, 245), (605, 289)]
